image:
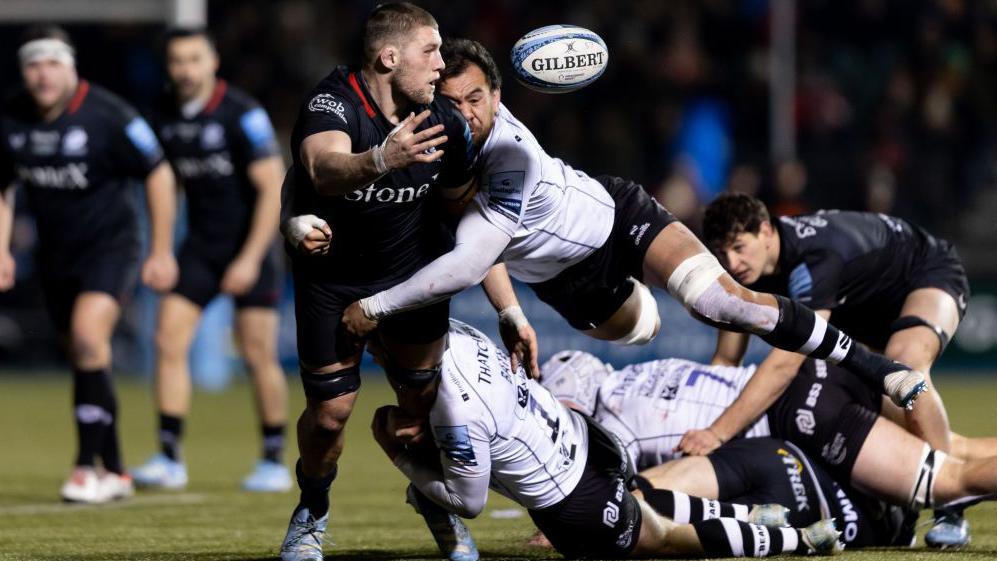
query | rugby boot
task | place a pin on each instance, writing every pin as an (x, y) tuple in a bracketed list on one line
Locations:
[(268, 477), (303, 541), (451, 535), (160, 472), (773, 515), (904, 386), (823, 538), (950, 531)]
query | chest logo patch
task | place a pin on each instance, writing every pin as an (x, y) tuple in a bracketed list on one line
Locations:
[(74, 143), (212, 136)]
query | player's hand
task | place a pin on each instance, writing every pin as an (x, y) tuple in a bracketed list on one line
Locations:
[(403, 146), (406, 428), (355, 321), (240, 276), (379, 426), (8, 268), (308, 233), (159, 272), (520, 340), (698, 442)]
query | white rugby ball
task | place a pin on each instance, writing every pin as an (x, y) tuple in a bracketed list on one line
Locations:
[(559, 58)]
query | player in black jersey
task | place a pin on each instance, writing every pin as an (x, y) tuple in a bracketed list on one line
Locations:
[(222, 147), (73, 147), (372, 152), (889, 284)]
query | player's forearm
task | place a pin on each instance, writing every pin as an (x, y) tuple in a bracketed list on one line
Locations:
[(336, 173), (463, 496), (498, 288), (6, 218), (161, 198), (266, 175), (769, 382), (731, 347)]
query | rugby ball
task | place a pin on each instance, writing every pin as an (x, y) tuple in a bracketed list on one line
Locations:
[(559, 58)]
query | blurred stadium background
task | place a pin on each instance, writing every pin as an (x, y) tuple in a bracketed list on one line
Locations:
[(883, 105)]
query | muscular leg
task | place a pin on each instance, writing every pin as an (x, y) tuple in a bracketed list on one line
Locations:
[(178, 319), (256, 329), (676, 260), (92, 323), (918, 347), (691, 475)]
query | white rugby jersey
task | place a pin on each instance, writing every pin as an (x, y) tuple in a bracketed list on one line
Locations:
[(488, 419), (556, 215), (652, 404)]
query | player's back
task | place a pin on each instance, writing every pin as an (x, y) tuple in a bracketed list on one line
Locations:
[(555, 214), (75, 168), (389, 228), (650, 405), (537, 447)]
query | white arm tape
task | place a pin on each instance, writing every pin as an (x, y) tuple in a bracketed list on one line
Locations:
[(514, 316), (692, 277), (648, 320)]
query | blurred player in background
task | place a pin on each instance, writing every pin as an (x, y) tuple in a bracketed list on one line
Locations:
[(222, 146), (890, 284), (74, 147)]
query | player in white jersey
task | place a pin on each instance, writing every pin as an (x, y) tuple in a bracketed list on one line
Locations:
[(584, 244), (649, 405), (496, 427), (831, 417)]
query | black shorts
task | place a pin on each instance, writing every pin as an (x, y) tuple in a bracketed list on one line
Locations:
[(767, 470), (201, 272), (937, 266), (589, 292), (828, 412), (112, 268), (320, 297), (599, 518)]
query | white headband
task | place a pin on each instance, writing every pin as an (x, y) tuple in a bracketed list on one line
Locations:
[(46, 49)]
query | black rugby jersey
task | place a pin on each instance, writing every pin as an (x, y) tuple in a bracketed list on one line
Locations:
[(389, 229), (841, 260), (75, 168), (211, 153)]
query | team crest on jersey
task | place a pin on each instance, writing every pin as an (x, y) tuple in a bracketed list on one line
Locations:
[(327, 103), (505, 193), (212, 136), (17, 140), (455, 442), (74, 143)]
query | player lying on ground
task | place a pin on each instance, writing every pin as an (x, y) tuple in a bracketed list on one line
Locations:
[(75, 148), (373, 151), (888, 283), (495, 427), (832, 417), (580, 243), (221, 143)]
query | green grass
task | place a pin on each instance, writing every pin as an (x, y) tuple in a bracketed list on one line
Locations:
[(213, 520)]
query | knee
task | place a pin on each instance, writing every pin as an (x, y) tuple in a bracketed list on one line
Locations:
[(85, 347), (258, 352), (329, 417), (170, 342)]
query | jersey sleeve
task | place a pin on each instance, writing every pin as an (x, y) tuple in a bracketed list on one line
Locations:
[(815, 282), (460, 154), (254, 137), (464, 444), (136, 149), (509, 173), (329, 111)]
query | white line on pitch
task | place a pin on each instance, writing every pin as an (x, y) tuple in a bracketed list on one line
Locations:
[(68, 508)]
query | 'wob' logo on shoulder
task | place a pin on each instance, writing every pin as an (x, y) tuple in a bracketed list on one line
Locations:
[(327, 103)]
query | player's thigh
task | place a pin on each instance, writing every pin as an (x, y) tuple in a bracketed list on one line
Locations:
[(177, 323), (199, 276), (920, 345), (888, 463), (256, 331), (693, 475)]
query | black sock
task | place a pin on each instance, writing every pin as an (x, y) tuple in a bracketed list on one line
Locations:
[(170, 433), (273, 443), (801, 330), (684, 509), (93, 405), (110, 451), (726, 537), (314, 491)]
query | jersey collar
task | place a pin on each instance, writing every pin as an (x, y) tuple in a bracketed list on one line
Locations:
[(82, 89), (359, 86), (221, 86)]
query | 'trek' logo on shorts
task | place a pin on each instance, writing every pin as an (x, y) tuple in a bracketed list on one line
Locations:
[(374, 194)]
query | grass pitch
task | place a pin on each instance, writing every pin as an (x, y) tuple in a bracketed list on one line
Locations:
[(213, 520)]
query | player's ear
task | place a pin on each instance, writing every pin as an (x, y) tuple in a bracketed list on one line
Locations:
[(765, 229), (389, 56)]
